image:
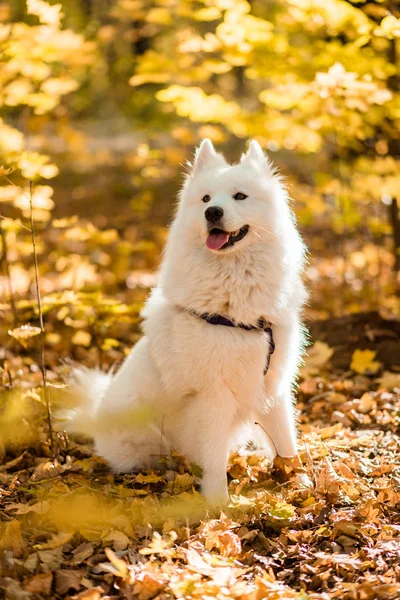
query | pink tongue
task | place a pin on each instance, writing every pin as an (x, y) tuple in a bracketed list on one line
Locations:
[(215, 241)]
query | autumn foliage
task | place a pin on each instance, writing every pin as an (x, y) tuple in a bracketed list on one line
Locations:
[(101, 104)]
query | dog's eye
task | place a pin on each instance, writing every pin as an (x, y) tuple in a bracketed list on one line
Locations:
[(240, 196), (206, 198)]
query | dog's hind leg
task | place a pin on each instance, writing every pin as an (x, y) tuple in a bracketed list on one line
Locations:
[(129, 432), (130, 450)]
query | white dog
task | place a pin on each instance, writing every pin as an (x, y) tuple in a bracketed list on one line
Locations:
[(229, 288)]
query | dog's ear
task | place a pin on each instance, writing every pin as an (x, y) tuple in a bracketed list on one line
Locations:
[(206, 157), (255, 155)]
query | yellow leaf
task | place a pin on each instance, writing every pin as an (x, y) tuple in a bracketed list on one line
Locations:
[(33, 395), (183, 480), (142, 78), (81, 338), (161, 16), (362, 361), (5, 171), (119, 539), (23, 333), (317, 357), (59, 86), (49, 15), (120, 565), (308, 502), (389, 380), (56, 540), (211, 13), (12, 538), (109, 343), (390, 26), (41, 197), (150, 478), (330, 431), (194, 103), (40, 508), (282, 510)]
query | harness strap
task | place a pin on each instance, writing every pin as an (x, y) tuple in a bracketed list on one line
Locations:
[(262, 325)]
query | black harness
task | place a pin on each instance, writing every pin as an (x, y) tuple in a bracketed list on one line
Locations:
[(262, 325)]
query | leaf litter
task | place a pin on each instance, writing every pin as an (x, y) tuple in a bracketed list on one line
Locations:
[(323, 526)]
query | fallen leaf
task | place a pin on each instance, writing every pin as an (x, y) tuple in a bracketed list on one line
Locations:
[(149, 478), (119, 539), (82, 552), (40, 508), (362, 362), (148, 585), (316, 358), (67, 580), (218, 535), (120, 565), (39, 584), (12, 538), (92, 594), (56, 540), (331, 431), (328, 482), (389, 380)]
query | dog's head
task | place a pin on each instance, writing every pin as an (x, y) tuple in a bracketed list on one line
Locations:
[(228, 207)]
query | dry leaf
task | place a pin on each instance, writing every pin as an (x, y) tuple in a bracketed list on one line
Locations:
[(317, 357), (120, 565), (363, 361), (12, 538), (39, 584), (389, 380), (40, 508), (119, 539), (24, 333), (67, 580)]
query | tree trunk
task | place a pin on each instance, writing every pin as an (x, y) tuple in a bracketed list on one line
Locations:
[(395, 221)]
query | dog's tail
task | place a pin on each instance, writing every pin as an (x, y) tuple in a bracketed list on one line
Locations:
[(85, 389)]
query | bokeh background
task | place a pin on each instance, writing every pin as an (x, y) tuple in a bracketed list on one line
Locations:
[(102, 102)]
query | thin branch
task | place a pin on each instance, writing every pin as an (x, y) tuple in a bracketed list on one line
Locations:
[(39, 301), (267, 434), (13, 221)]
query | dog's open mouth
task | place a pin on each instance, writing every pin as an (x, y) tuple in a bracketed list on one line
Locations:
[(218, 239)]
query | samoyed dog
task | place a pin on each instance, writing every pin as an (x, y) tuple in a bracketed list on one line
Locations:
[(229, 293)]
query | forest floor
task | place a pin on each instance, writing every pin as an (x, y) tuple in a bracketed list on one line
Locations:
[(322, 527)]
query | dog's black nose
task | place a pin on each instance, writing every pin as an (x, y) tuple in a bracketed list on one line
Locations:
[(214, 214)]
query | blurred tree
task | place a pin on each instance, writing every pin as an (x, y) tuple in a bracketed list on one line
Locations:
[(315, 81), (309, 76), (40, 64)]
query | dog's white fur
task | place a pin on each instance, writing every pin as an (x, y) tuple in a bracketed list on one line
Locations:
[(202, 385)]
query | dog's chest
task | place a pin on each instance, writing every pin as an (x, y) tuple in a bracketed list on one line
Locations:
[(194, 356), (245, 293)]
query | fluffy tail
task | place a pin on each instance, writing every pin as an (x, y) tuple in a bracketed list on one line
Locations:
[(86, 389)]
